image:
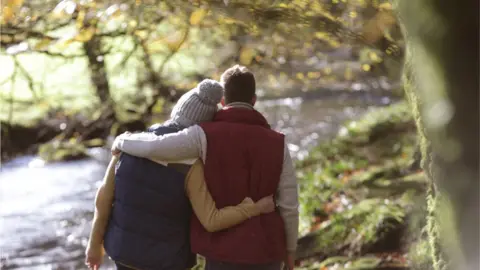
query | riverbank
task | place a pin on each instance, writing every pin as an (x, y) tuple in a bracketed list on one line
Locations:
[(363, 197)]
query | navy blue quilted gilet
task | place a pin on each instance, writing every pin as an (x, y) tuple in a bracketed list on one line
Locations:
[(149, 226)]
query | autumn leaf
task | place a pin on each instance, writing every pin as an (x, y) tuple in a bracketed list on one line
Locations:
[(7, 14), (80, 18), (42, 44), (197, 16), (85, 34)]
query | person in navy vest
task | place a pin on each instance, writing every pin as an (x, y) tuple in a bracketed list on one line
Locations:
[(243, 157), (144, 206)]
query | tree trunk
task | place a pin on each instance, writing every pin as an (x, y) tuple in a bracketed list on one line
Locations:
[(441, 82), (98, 73)]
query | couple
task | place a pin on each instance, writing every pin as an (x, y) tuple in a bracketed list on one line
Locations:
[(197, 161)]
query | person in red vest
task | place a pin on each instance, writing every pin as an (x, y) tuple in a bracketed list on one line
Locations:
[(243, 157)]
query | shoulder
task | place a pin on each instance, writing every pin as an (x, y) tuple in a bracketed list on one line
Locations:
[(162, 129)]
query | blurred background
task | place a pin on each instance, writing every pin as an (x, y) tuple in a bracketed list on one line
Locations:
[(75, 73)]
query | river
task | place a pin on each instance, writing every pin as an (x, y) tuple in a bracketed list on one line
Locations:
[(46, 209)]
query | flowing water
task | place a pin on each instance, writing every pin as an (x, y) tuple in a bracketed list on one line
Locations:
[(46, 210)]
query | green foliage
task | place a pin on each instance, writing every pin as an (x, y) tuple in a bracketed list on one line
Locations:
[(359, 185), (57, 150), (61, 150)]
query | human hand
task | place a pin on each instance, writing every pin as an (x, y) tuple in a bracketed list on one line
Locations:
[(289, 263), (94, 257), (115, 151), (266, 205)]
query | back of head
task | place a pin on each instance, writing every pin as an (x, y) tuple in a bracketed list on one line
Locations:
[(239, 84), (197, 105)]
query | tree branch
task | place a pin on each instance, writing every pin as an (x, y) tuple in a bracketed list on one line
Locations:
[(10, 108), (31, 84)]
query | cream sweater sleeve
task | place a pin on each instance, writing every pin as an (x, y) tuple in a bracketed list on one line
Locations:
[(185, 144), (212, 218)]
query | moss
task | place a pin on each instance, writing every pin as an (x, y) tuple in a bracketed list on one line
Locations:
[(360, 187), (58, 150), (409, 82)]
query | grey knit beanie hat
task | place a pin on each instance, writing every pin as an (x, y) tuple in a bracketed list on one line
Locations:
[(198, 105)]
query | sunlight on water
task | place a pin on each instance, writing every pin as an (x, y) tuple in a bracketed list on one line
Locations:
[(36, 163)]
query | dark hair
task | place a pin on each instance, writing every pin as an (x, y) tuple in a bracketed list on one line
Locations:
[(239, 84)]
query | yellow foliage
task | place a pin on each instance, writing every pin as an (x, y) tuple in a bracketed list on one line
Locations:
[(8, 10), (80, 18), (7, 14), (142, 34), (246, 56), (64, 42), (132, 23), (366, 67), (197, 16), (313, 75), (42, 44), (85, 34), (385, 6), (374, 57), (14, 3), (326, 37)]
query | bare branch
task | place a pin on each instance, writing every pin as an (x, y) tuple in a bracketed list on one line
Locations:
[(31, 84), (10, 108), (174, 51)]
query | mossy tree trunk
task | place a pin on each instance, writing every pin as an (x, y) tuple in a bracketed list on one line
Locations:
[(441, 83)]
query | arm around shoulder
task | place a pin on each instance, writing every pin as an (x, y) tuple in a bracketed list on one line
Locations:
[(212, 218), (184, 144)]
